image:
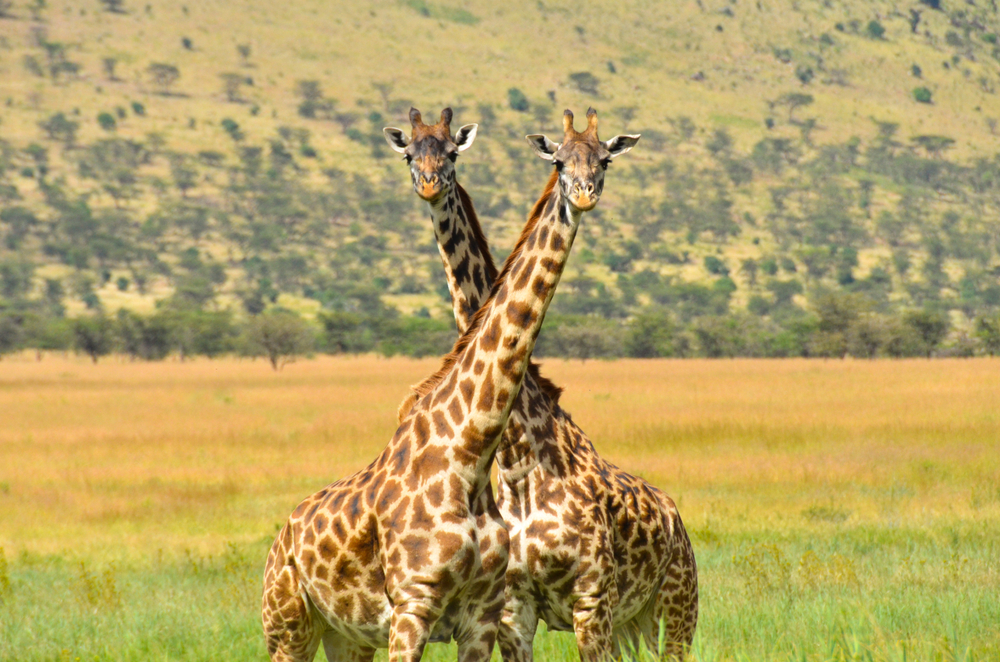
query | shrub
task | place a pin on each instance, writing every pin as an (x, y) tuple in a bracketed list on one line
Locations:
[(716, 266), (138, 108), (517, 100), (874, 30), (585, 82), (922, 94), (107, 121)]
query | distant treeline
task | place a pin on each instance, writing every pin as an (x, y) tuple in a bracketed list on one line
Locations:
[(844, 325)]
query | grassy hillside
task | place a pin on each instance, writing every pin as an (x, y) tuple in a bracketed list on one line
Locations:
[(774, 133)]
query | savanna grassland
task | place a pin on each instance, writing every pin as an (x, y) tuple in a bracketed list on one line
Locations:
[(840, 510)]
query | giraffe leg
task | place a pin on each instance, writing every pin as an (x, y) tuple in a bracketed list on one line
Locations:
[(592, 624), (517, 630), (410, 630), (291, 631), (676, 605), (339, 649)]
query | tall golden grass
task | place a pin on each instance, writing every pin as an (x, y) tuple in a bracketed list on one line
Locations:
[(120, 458)]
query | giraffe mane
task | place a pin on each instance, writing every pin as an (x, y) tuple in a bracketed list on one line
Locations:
[(426, 386)]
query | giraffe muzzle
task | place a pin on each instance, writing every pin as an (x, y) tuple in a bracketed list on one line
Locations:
[(429, 187), (583, 196)]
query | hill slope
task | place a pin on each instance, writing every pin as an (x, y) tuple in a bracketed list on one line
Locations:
[(229, 155)]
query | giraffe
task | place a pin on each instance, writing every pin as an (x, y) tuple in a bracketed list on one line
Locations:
[(557, 495), (431, 153), (412, 549)]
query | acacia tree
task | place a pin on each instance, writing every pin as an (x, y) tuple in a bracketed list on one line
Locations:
[(59, 127), (163, 75), (94, 336), (280, 336), (794, 100), (232, 84)]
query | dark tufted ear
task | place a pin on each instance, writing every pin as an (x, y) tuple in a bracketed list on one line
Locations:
[(621, 144), (544, 147), (396, 139), (465, 136)]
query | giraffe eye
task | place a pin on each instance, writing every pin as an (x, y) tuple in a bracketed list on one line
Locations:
[(559, 165), (453, 157), (407, 158), (605, 163)]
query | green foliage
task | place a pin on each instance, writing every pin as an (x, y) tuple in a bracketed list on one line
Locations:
[(94, 336), (585, 82), (716, 266), (163, 75), (432, 10), (517, 100), (651, 335), (281, 336), (922, 94), (138, 109), (107, 121), (874, 29)]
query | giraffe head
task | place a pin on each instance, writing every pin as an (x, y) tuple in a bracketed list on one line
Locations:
[(581, 159), (431, 152)]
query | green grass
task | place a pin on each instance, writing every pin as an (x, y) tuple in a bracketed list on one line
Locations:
[(824, 592), (839, 510)]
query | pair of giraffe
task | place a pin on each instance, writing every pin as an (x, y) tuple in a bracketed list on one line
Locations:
[(414, 548)]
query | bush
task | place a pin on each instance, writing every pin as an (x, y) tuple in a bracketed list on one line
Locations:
[(716, 266), (585, 82), (517, 100), (138, 108), (874, 30), (107, 121), (650, 335), (922, 94), (94, 336)]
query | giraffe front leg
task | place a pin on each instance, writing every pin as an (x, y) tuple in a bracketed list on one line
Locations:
[(340, 649), (592, 625), (517, 630), (410, 630), (291, 632)]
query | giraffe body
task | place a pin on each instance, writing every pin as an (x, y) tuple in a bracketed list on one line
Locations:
[(413, 548), (592, 549)]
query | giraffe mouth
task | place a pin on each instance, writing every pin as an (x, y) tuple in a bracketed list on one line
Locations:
[(584, 201), (430, 191)]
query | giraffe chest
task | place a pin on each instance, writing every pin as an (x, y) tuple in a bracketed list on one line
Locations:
[(355, 570)]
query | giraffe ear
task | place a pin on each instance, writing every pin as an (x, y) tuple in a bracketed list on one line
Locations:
[(465, 136), (396, 139), (621, 144), (543, 147)]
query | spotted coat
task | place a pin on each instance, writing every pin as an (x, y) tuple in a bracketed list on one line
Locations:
[(412, 549), (593, 549)]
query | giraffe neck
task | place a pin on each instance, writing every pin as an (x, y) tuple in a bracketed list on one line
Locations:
[(480, 379), (466, 256)]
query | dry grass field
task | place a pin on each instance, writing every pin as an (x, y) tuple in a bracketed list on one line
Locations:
[(840, 510)]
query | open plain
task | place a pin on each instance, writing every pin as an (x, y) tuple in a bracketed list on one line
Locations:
[(840, 510)]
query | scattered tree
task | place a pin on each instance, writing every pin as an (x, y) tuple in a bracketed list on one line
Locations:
[(280, 336), (94, 336), (585, 82), (163, 75)]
